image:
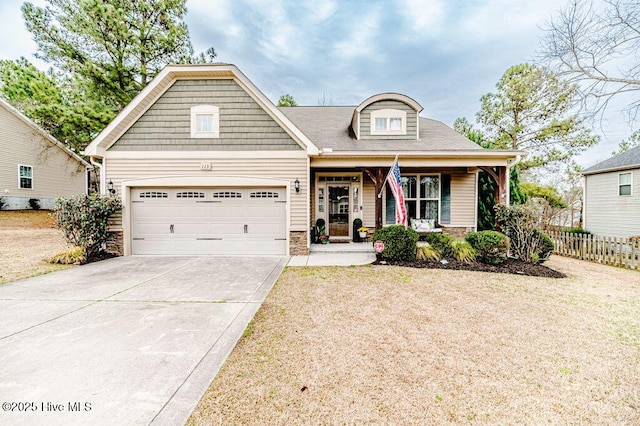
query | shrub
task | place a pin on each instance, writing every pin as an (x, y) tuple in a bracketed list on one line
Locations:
[(491, 246), (427, 252), (34, 203), (84, 220), (463, 252), (399, 242), (69, 257), (527, 242), (546, 249), (441, 242), (577, 231)]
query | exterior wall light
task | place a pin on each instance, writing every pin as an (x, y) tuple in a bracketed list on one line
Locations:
[(296, 185), (110, 188)]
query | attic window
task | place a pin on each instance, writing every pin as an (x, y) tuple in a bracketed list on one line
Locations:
[(205, 121), (388, 122)]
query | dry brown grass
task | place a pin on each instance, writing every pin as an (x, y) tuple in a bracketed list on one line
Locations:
[(397, 345), (27, 239)]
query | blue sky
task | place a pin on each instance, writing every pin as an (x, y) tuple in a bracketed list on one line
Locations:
[(444, 53)]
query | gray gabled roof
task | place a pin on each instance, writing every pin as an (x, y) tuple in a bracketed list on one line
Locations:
[(627, 160), (328, 127)]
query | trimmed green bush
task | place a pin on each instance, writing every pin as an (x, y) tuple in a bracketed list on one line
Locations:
[(491, 246), (546, 247), (399, 243), (441, 242), (577, 231), (84, 220), (463, 252)]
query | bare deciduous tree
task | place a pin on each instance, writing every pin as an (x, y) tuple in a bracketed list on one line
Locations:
[(599, 49)]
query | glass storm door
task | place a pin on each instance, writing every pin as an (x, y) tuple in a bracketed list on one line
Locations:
[(338, 210)]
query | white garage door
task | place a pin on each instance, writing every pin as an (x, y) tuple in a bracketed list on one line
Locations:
[(216, 221)]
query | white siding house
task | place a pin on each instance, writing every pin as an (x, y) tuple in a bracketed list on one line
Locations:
[(34, 165), (612, 196)]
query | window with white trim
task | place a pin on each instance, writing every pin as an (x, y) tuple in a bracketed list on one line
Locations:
[(624, 183), (25, 177), (388, 122), (422, 197), (205, 121)]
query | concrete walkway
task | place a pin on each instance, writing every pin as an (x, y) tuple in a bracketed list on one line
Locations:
[(336, 255), (127, 341)]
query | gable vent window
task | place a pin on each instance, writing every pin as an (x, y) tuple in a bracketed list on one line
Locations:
[(205, 121), (388, 122), (264, 194), (227, 194), (190, 194), (153, 194)]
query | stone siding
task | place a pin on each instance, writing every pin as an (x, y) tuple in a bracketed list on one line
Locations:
[(298, 243), (456, 232), (115, 243)]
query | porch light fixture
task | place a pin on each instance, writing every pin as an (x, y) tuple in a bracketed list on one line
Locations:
[(296, 185), (110, 188)]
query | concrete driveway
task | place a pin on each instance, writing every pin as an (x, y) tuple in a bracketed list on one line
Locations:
[(133, 340)]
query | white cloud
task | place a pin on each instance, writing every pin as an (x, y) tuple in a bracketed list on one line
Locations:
[(361, 39), (425, 18)]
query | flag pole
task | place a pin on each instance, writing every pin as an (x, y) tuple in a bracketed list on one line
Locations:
[(387, 176)]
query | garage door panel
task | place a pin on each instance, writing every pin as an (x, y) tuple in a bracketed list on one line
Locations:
[(191, 211), (215, 221), (233, 211), (194, 228), (152, 211)]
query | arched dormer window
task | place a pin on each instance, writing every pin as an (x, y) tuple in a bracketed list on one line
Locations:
[(388, 122), (205, 121)]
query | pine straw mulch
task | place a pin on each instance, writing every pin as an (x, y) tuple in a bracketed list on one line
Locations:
[(511, 266)]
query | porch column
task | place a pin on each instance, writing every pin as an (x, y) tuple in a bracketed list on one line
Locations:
[(377, 176), (500, 175)]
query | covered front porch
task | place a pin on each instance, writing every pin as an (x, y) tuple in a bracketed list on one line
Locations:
[(443, 197)]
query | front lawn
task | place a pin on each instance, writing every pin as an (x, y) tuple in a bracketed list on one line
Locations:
[(388, 344), (27, 239)]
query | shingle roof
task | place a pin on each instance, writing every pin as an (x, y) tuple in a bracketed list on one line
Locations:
[(328, 127), (627, 159)]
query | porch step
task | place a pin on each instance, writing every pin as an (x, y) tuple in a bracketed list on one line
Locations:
[(342, 248)]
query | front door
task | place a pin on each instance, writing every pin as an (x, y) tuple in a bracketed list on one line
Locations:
[(339, 208)]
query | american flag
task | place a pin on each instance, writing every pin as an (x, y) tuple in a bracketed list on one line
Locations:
[(395, 183)]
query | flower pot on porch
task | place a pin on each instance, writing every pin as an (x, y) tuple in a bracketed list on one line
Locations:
[(363, 235)]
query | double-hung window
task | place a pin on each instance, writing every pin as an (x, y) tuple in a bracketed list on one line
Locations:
[(425, 197), (25, 177), (624, 183), (205, 121)]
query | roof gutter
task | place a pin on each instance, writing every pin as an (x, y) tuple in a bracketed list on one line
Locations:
[(514, 162), (611, 169)]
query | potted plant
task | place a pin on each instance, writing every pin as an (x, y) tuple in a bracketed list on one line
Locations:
[(324, 238), (362, 231)]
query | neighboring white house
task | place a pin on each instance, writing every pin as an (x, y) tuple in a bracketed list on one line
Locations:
[(612, 196), (34, 165)]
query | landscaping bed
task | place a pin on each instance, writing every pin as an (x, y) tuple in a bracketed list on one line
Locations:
[(511, 266)]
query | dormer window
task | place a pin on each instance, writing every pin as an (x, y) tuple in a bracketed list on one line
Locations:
[(205, 121), (388, 122)]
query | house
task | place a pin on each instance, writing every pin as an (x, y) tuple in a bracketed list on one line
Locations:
[(611, 192), (34, 165), (206, 164)]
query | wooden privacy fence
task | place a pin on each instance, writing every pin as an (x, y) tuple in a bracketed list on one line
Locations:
[(608, 250)]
